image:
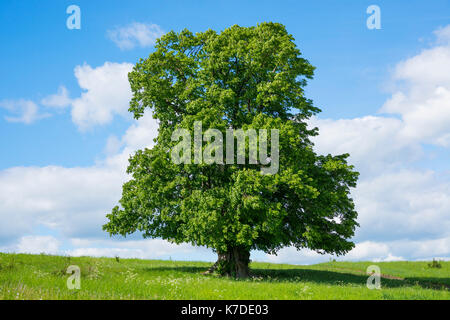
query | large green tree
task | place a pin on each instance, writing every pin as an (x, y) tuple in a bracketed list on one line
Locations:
[(243, 77)]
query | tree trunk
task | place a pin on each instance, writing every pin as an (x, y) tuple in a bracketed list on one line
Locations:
[(233, 263)]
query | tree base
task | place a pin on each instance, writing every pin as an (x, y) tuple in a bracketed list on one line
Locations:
[(233, 263)]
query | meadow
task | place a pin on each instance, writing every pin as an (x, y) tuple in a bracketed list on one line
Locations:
[(26, 276)]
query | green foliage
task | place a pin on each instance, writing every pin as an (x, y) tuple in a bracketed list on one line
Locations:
[(240, 78)]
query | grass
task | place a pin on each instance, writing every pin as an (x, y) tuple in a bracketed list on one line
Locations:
[(24, 276)]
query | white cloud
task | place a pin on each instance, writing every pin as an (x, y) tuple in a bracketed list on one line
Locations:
[(423, 249), (135, 34), (25, 111), (142, 249), (405, 204), (423, 98), (429, 68), (38, 244), (139, 135), (422, 101), (106, 92), (58, 100), (113, 145), (443, 35), (368, 250), (396, 203), (374, 143), (74, 200), (404, 249), (373, 251)]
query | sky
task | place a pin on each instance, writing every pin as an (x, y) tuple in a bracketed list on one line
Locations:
[(66, 134)]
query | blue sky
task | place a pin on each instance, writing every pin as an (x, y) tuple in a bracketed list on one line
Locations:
[(360, 76)]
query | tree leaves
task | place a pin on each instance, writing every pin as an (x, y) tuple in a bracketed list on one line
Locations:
[(243, 77)]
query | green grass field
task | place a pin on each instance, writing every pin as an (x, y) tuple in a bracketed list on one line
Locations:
[(24, 276)]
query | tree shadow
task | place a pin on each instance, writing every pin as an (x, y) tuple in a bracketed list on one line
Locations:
[(342, 278), (430, 283), (318, 276)]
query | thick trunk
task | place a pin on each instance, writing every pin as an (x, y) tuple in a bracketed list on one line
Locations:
[(233, 263)]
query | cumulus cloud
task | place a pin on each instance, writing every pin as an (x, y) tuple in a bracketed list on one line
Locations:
[(396, 201), (23, 111), (73, 201), (423, 98), (443, 34), (38, 244), (135, 34), (368, 250), (422, 102), (373, 142), (142, 249), (113, 145), (139, 135), (420, 97), (398, 250), (403, 204), (58, 100), (106, 92)]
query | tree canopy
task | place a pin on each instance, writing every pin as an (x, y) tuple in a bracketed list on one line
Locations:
[(241, 78)]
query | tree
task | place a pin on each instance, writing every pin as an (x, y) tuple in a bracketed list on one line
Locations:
[(243, 77)]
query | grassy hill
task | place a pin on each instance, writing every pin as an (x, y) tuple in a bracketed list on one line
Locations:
[(24, 276)]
